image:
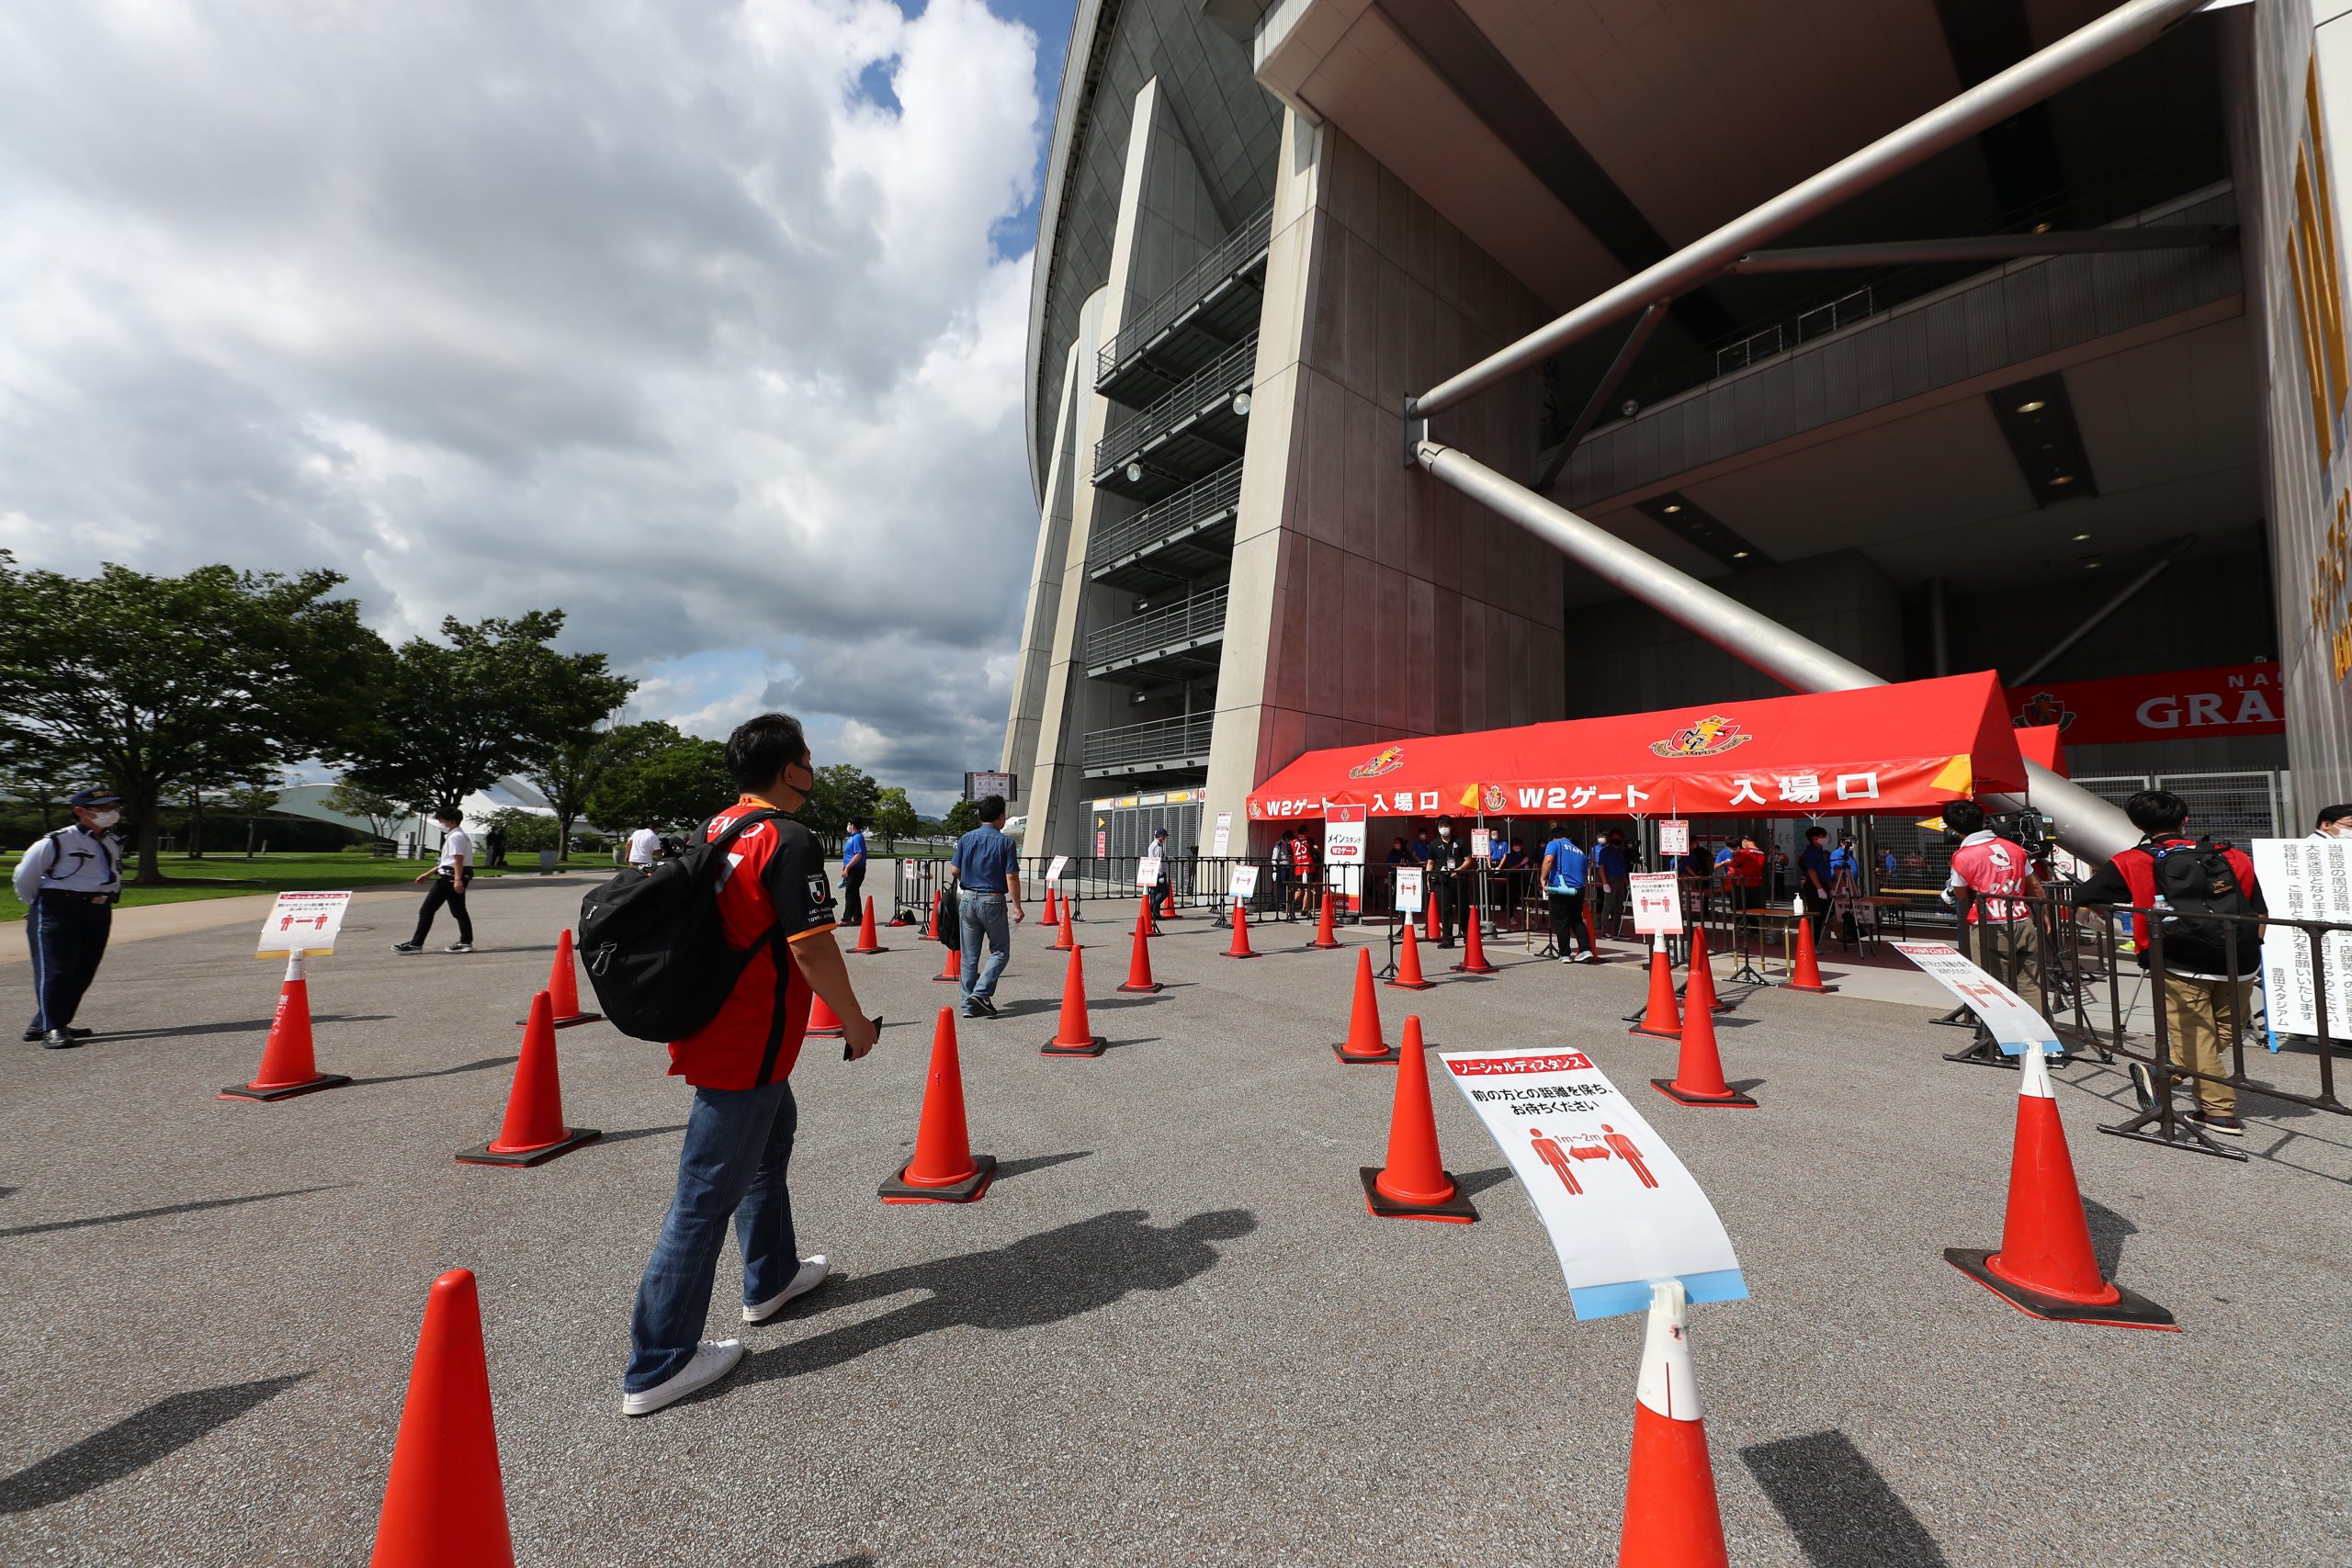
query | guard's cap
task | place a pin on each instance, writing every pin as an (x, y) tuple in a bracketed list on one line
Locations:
[(95, 796)]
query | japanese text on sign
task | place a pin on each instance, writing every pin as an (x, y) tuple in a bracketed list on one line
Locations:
[(1674, 836), (2306, 879), (1657, 902), (307, 923), (1148, 871), (1244, 883), (2002, 1011), (1408, 888)]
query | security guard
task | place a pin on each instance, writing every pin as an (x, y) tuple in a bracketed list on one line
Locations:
[(70, 882), (1451, 873)]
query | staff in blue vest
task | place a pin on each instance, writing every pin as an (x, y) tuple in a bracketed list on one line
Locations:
[(1564, 877), (70, 881)]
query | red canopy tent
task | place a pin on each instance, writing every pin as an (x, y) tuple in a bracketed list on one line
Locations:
[(1909, 747), (2039, 743)]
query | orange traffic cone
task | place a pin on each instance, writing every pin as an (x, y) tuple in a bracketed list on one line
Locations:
[(1698, 1070), (1430, 931), (533, 1131), (289, 1067), (1066, 940), (563, 986), (931, 931), (1408, 966), (1474, 949), (1239, 947), (1053, 915), (1804, 973), (944, 1169), (445, 1506), (1139, 966), (1591, 933), (823, 1022), (953, 974), (1145, 920), (1662, 1019), (1414, 1184), (869, 939), (1700, 982), (1671, 1516), (1075, 1036), (2046, 1266), (1326, 938), (1365, 1045)]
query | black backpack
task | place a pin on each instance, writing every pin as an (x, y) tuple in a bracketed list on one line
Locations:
[(655, 951), (2198, 882)]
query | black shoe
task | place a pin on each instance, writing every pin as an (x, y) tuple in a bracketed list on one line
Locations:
[(983, 1008), (60, 1040), (2143, 1085), (459, 947), (35, 1036)]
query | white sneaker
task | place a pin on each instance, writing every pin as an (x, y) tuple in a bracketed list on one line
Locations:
[(813, 1272), (714, 1359)]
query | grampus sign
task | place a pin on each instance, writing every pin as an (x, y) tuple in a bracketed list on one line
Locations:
[(2224, 699)]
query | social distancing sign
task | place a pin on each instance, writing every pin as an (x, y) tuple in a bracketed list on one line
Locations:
[(1657, 902), (1622, 1211), (306, 923), (2012, 1023)]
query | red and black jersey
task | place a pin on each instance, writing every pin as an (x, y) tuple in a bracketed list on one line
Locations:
[(772, 892)]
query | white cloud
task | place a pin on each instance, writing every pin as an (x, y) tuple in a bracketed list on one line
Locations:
[(642, 311)]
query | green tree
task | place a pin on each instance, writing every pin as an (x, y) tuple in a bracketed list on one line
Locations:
[(568, 772), (671, 789), (961, 818), (527, 832), (894, 817), (153, 682), (842, 791), (37, 776), (253, 798), (354, 799), (457, 716)]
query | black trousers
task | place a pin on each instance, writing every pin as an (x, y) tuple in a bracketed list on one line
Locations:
[(444, 890), (1451, 891), (1567, 922), (851, 910), (68, 936)]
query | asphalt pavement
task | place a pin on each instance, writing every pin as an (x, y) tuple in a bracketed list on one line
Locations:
[(1170, 1333)]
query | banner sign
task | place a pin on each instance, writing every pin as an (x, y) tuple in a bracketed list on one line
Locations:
[(1244, 883), (306, 923), (1148, 871), (1481, 842), (1622, 1210), (2177, 704), (1657, 902), (2002, 1011), (1054, 868), (1344, 827), (1408, 888), (1221, 842), (979, 786), (2306, 879), (1674, 836)]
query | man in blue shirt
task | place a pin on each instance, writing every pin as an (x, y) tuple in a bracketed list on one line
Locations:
[(852, 871), (986, 869), (1815, 876), (1611, 862), (1563, 875)]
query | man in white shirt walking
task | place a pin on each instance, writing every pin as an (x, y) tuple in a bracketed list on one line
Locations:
[(450, 878), (644, 849)]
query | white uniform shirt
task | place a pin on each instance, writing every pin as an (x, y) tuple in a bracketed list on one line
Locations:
[(456, 842), (644, 847), (72, 859)]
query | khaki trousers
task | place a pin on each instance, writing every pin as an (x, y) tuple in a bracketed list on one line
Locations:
[(2201, 1016)]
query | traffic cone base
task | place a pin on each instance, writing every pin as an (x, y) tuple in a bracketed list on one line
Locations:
[(953, 975), (1073, 1032), (574, 1137), (1094, 1047), (1731, 1097), (1804, 969), (1409, 967), (1139, 968), (1662, 1018), (1371, 1060), (1131, 986), (563, 987), (967, 1190), (2128, 1310), (283, 1092), (869, 935), (288, 1066), (1473, 948), (1455, 1211), (1053, 915), (1366, 1043), (1324, 936), (535, 1103)]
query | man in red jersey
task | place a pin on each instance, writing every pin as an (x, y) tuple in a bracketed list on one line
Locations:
[(774, 901)]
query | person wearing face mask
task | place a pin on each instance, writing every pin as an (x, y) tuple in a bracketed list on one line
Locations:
[(70, 882), (2333, 822), (1451, 871)]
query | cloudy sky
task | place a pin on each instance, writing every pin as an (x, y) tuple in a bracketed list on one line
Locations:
[(700, 321)]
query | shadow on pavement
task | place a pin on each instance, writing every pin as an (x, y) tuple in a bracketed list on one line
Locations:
[(1036, 1162), (639, 1133), (1472, 1182), (129, 1214), (1841, 1510), (2108, 1231), (134, 1442), (1042, 1279), (487, 1062), (245, 1026)]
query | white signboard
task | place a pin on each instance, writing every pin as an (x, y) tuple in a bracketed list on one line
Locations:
[(1622, 1210), (302, 922), (2002, 1011), (1482, 841), (1344, 834), (1221, 842), (1148, 871), (1408, 888), (1657, 902), (2306, 879), (1244, 883), (1674, 836), (1054, 868)]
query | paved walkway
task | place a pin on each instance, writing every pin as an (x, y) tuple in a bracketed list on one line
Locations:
[(1169, 1335)]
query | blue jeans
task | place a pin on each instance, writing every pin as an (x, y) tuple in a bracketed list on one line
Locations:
[(738, 1143), (984, 915)]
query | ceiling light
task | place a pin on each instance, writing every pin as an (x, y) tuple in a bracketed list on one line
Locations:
[(1242, 404), (2032, 405), (2041, 227), (1739, 555), (2080, 537), (1135, 473), (1672, 507), (2062, 478), (2090, 566)]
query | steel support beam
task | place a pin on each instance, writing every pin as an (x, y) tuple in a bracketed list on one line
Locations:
[(2090, 826), (1986, 247), (2123, 596), (1627, 352), (2123, 31)]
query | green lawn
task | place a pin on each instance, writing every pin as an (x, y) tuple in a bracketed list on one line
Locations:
[(230, 875)]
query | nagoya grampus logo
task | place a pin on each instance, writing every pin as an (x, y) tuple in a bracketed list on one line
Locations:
[(1710, 737), (2046, 707), (1386, 762), (1494, 798)]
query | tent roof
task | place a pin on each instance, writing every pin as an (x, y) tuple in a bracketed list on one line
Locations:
[(2039, 743), (1908, 746)]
